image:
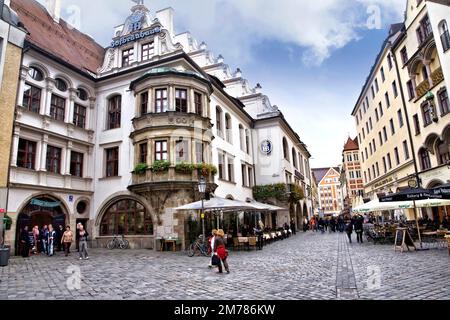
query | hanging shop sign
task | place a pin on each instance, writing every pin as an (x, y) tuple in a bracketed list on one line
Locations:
[(135, 36), (45, 204)]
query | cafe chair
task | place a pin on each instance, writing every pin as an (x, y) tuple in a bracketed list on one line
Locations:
[(252, 242), (236, 244)]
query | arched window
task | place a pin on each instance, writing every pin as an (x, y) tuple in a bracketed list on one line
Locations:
[(445, 35), (36, 74), (82, 94), (285, 149), (114, 112), (294, 158), (228, 128), (442, 152), (425, 162), (241, 137), (247, 141), (61, 85), (219, 123), (127, 217)]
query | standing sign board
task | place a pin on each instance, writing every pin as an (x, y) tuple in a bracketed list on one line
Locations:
[(403, 239)]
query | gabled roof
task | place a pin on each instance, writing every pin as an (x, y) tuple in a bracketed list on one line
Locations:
[(320, 173), (351, 144), (58, 39)]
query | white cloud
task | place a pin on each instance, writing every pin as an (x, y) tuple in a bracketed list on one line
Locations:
[(318, 27)]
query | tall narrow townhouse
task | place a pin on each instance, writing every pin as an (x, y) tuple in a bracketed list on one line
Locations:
[(423, 55)]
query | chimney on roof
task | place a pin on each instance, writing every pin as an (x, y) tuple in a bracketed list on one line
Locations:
[(54, 9)]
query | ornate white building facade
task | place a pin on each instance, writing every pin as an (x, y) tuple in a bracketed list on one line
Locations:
[(112, 138)]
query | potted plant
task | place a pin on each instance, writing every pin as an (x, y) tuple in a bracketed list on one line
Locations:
[(160, 166), (141, 168), (206, 169), (186, 168)]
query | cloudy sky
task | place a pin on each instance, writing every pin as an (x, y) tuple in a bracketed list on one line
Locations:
[(311, 57)]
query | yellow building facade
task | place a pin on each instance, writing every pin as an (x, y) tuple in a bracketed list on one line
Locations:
[(11, 43)]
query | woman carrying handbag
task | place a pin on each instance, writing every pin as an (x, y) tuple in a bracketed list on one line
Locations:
[(220, 252)]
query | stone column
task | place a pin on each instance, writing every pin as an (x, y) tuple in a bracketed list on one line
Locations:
[(414, 83), (428, 68), (23, 77), (68, 156), (90, 114), (15, 146), (48, 96), (171, 98), (191, 104), (68, 117), (43, 166)]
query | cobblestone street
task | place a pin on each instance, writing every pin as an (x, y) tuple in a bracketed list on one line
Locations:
[(307, 266)]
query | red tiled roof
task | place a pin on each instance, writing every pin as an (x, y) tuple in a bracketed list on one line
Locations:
[(351, 145), (58, 39)]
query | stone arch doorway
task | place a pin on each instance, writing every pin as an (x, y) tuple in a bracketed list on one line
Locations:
[(40, 211)]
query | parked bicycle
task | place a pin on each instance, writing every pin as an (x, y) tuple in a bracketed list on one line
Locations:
[(119, 243), (199, 247)]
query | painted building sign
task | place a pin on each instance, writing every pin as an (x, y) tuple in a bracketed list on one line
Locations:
[(134, 37)]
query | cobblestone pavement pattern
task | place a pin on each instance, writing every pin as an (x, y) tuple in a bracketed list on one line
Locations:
[(306, 266)]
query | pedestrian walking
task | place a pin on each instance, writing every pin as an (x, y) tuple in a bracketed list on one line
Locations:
[(25, 242), (221, 251), (212, 243), (51, 237), (305, 224), (359, 228), (293, 227), (77, 239), (83, 237), (59, 234), (43, 236), (349, 230), (260, 234), (67, 240)]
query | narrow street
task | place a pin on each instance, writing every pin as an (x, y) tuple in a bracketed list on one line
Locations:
[(307, 266)]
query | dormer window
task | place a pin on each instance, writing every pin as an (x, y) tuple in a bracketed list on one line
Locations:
[(148, 50), (127, 57)]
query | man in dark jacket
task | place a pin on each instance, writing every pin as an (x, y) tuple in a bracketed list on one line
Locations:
[(25, 242), (359, 229)]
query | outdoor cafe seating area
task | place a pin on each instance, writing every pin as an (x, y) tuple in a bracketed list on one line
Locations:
[(252, 242)]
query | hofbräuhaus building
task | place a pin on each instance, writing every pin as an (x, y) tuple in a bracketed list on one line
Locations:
[(117, 137)]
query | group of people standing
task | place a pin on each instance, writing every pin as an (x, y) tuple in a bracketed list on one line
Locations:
[(49, 240)]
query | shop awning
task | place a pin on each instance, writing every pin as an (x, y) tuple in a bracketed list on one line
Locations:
[(265, 207)]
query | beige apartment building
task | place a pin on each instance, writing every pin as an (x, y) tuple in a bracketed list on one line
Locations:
[(402, 113), (423, 55), (386, 158)]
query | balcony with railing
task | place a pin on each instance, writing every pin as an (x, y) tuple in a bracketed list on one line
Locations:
[(436, 77), (171, 178)]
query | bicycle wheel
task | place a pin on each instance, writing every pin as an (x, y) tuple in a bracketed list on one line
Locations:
[(191, 250), (111, 244), (126, 244)]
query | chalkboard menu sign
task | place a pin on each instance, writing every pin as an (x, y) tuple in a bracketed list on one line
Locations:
[(403, 239)]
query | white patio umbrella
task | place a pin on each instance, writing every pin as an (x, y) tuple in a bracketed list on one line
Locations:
[(216, 204)]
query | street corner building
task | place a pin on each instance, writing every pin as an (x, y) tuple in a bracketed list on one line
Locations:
[(403, 113), (115, 138)]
